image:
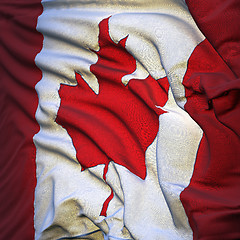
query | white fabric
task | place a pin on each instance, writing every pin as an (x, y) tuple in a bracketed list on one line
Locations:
[(68, 201)]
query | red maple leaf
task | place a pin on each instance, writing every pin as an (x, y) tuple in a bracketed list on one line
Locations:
[(120, 122)]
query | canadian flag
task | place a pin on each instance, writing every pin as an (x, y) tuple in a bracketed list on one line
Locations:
[(120, 119)]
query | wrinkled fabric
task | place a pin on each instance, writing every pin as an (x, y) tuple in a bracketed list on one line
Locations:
[(117, 114), (19, 44)]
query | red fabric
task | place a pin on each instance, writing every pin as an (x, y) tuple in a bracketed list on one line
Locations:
[(19, 44), (119, 116), (212, 199), (219, 20), (212, 88)]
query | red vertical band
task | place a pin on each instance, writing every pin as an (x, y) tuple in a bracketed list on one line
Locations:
[(212, 88), (19, 44)]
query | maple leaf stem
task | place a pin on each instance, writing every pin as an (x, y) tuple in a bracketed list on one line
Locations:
[(106, 203)]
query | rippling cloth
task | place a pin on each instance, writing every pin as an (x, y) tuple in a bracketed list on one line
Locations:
[(120, 119)]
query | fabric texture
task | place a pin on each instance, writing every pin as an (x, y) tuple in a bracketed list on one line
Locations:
[(120, 119)]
